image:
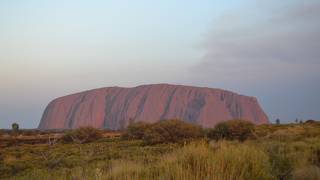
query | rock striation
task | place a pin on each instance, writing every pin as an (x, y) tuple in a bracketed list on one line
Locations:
[(116, 107)]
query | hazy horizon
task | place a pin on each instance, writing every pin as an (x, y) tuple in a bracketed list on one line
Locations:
[(266, 49)]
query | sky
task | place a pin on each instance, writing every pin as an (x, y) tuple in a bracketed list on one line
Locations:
[(267, 49)]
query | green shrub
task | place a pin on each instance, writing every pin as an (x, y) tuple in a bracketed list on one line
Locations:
[(165, 131), (170, 131), (136, 130), (231, 130), (15, 126), (15, 129), (82, 135), (220, 131)]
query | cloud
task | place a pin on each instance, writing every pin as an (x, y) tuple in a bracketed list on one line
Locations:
[(270, 51), (263, 45)]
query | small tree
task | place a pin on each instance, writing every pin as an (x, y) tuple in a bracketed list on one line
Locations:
[(136, 130), (164, 131), (171, 131), (15, 126), (233, 129), (220, 131)]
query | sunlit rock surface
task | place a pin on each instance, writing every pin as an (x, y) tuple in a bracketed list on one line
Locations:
[(116, 107)]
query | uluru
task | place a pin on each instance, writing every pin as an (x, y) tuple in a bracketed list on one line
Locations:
[(115, 107)]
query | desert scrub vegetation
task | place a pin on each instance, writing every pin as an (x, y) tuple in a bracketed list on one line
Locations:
[(200, 160), (136, 130), (57, 160), (165, 131), (267, 155), (82, 135), (232, 130)]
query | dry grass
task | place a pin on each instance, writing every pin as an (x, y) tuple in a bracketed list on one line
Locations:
[(277, 152)]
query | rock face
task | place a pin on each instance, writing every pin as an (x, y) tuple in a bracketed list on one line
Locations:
[(116, 107)]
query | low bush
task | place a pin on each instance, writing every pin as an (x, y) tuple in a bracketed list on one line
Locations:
[(220, 131), (170, 131), (136, 130), (165, 131), (82, 135), (232, 130)]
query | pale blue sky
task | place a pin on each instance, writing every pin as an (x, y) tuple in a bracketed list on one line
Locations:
[(267, 49)]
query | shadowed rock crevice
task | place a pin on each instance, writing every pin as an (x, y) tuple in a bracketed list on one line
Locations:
[(110, 99), (140, 107), (73, 110), (194, 108), (168, 103)]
